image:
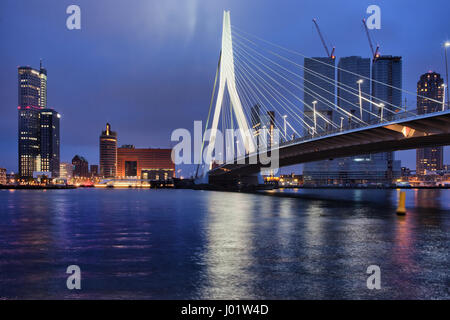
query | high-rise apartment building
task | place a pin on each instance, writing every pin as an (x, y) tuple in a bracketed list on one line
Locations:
[(108, 153), (431, 86)]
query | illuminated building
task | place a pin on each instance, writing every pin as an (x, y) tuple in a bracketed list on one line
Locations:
[(65, 170), (50, 142), (2, 176), (386, 77), (153, 164), (108, 153), (430, 85), (32, 97), (94, 170), (80, 167)]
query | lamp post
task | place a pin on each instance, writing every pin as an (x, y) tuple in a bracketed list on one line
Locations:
[(443, 97), (359, 82), (284, 118), (315, 117), (446, 45), (381, 105), (342, 123)]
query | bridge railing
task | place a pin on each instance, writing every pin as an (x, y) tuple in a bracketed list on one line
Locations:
[(355, 125), (352, 126)]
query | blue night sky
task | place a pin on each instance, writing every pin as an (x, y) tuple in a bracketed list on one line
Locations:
[(147, 66)]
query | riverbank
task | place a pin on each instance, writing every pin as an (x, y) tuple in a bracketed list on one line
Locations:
[(49, 187)]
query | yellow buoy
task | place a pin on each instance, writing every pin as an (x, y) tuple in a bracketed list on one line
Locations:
[(401, 210)]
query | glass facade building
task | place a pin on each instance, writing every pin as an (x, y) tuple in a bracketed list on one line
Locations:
[(364, 169), (50, 143)]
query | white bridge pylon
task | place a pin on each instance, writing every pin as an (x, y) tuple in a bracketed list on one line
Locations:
[(228, 80)]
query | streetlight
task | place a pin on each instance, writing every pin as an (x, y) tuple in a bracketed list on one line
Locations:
[(443, 97), (342, 123), (359, 82), (381, 105), (284, 117), (315, 117), (446, 45)]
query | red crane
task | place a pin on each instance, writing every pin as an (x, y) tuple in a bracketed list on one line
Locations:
[(375, 53), (332, 56)]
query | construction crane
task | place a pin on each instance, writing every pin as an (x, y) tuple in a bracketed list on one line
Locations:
[(332, 56), (375, 53)]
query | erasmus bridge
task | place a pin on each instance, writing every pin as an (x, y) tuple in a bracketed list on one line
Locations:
[(256, 80)]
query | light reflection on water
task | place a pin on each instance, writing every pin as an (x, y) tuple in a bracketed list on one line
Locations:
[(183, 244)]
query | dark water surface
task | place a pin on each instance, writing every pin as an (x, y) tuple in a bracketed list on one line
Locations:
[(185, 244)]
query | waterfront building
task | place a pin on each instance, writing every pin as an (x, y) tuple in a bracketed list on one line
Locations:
[(32, 97), (3, 176), (365, 169), (94, 170), (66, 170), (387, 100), (430, 85), (353, 72), (80, 167), (50, 142), (153, 164), (108, 153)]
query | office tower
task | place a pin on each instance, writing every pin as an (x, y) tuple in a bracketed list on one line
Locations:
[(364, 169), (353, 73), (50, 143), (153, 164), (108, 153), (80, 167), (94, 170), (387, 99), (319, 93), (386, 78), (32, 97), (430, 85), (65, 170)]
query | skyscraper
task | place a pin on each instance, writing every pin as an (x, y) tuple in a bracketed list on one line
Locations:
[(358, 75), (108, 153), (430, 85), (50, 142), (32, 97), (387, 99), (319, 92)]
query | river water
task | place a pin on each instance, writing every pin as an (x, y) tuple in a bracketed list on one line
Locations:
[(186, 244)]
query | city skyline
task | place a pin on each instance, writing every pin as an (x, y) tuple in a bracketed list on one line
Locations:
[(89, 97)]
